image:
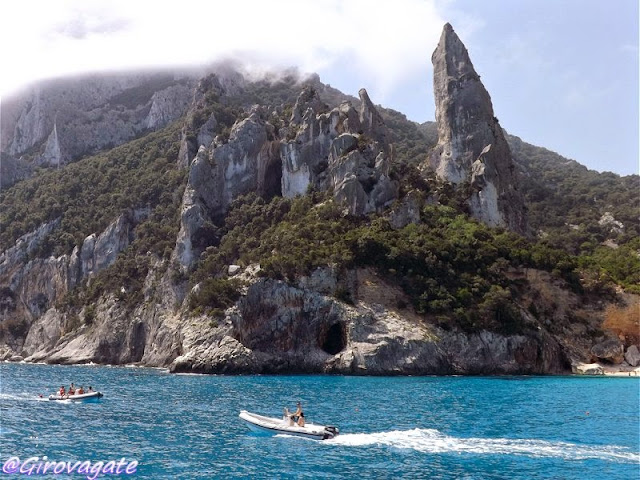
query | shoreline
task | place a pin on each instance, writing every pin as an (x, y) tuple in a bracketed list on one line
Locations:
[(605, 371)]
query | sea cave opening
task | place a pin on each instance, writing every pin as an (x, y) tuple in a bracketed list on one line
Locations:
[(335, 339)]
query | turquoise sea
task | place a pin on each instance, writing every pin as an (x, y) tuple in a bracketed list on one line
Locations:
[(187, 426)]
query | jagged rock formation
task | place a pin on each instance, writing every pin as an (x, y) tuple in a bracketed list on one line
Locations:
[(471, 146), (34, 285), (299, 326), (339, 149), (248, 162), (342, 149)]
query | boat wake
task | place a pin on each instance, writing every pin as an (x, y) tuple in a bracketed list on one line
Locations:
[(23, 397), (432, 441)]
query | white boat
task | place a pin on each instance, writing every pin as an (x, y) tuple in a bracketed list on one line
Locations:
[(282, 425), (89, 396)]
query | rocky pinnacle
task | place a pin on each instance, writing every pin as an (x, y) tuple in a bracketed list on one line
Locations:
[(471, 149)]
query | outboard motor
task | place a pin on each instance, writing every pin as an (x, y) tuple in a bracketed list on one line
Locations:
[(330, 432)]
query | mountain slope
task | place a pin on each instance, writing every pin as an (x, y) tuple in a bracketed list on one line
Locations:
[(315, 243)]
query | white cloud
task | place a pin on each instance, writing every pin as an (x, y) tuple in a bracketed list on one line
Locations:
[(387, 41)]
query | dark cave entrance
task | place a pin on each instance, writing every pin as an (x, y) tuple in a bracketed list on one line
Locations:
[(335, 339), (272, 180)]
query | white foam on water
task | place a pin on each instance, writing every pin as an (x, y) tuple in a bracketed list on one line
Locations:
[(432, 441), (29, 397)]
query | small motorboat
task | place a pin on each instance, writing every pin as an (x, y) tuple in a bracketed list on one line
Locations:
[(283, 426), (84, 397)]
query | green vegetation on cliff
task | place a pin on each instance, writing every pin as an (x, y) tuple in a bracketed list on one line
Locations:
[(89, 194), (448, 265), (569, 206)]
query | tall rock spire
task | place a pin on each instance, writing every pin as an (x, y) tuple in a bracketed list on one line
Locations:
[(52, 153), (471, 145)]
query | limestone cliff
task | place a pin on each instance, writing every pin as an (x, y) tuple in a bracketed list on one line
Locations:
[(284, 148), (36, 284), (342, 149), (277, 327), (471, 147), (58, 121)]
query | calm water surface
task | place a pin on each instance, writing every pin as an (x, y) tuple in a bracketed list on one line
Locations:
[(187, 426)]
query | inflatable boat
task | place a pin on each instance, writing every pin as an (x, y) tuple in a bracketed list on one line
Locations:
[(85, 397), (283, 426)]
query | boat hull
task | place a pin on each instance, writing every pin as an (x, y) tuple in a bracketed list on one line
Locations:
[(277, 426), (85, 397)]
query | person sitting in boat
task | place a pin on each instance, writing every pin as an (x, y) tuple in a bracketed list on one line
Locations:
[(72, 390), (62, 392), (80, 391), (90, 389), (301, 419)]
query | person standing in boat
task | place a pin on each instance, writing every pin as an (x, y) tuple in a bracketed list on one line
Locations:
[(296, 415), (72, 389)]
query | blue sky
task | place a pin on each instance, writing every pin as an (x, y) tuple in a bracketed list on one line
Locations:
[(562, 74)]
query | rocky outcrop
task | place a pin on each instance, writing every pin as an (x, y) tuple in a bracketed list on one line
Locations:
[(407, 211), (610, 350), (305, 157), (280, 328), (52, 153), (35, 285), (100, 251), (111, 333), (193, 213), (588, 369), (248, 162), (11, 258), (471, 148), (608, 221), (632, 356), (198, 131), (168, 104), (342, 150)]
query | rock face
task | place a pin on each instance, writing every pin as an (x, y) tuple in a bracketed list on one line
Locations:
[(33, 286), (610, 350), (343, 150), (60, 120), (248, 162), (471, 145), (280, 328), (632, 356)]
